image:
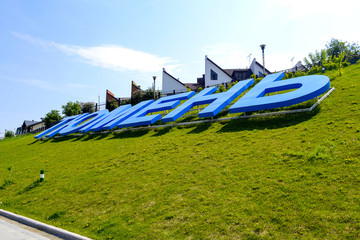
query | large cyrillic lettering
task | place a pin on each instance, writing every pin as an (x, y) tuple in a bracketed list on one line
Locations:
[(164, 103), (76, 126), (217, 101), (306, 88), (128, 113), (61, 125), (98, 124)]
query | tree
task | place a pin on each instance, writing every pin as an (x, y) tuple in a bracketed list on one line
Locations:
[(222, 88), (316, 59), (71, 109), (9, 134), (87, 107), (51, 118), (113, 106), (335, 47)]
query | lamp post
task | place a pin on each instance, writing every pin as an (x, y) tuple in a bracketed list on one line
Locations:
[(154, 77), (263, 48)]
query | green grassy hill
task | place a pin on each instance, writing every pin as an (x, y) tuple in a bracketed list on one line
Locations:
[(283, 177)]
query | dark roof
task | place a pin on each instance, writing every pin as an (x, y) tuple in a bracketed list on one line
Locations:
[(230, 72), (29, 123), (173, 77), (193, 86), (218, 67)]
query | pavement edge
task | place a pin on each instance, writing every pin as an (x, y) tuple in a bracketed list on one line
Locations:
[(42, 226)]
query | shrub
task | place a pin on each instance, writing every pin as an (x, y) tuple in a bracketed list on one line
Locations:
[(299, 73), (222, 88), (9, 134)]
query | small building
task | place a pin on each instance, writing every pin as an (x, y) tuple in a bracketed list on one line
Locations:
[(30, 127), (134, 88), (171, 85), (298, 66), (214, 76)]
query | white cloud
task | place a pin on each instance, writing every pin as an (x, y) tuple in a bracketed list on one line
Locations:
[(304, 8), (108, 56)]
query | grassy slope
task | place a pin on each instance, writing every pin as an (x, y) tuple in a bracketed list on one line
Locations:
[(295, 176)]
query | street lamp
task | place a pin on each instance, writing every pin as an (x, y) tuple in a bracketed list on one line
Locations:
[(154, 77), (263, 48)]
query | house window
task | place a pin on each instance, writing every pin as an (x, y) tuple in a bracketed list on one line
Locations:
[(213, 75)]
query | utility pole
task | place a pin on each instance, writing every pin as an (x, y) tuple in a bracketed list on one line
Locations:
[(154, 77), (249, 58), (263, 55)]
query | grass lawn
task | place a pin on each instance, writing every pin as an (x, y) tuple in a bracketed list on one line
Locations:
[(280, 177)]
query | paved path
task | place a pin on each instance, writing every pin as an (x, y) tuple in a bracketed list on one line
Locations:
[(12, 230)]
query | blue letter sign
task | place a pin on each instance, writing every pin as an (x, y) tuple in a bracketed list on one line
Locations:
[(306, 88)]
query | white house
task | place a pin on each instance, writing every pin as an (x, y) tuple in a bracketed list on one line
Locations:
[(171, 85), (215, 75), (257, 68)]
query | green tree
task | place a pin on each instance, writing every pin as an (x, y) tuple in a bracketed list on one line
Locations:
[(87, 107), (9, 134), (222, 88), (113, 106), (71, 108), (335, 47), (316, 59), (51, 118)]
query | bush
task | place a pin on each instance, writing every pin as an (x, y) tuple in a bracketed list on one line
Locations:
[(314, 69), (9, 134), (113, 106), (87, 107), (222, 88), (71, 109), (199, 89), (299, 73), (51, 118)]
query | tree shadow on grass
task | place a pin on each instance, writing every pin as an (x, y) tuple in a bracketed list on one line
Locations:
[(201, 127), (161, 131), (131, 134), (268, 122)]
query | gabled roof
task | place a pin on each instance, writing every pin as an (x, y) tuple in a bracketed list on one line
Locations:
[(135, 85), (29, 123), (256, 62), (231, 71), (218, 67), (173, 77)]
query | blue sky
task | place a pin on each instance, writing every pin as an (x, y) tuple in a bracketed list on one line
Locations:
[(52, 52)]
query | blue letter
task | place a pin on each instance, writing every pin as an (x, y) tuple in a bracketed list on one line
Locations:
[(218, 101), (61, 123), (307, 87), (123, 116), (98, 125), (164, 103), (75, 126)]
